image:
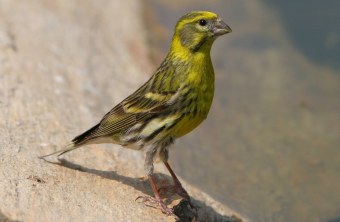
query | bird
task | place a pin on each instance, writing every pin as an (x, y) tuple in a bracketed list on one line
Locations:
[(174, 101)]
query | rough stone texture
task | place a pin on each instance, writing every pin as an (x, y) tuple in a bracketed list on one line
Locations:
[(63, 64)]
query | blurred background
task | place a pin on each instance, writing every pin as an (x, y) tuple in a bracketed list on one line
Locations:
[(270, 146)]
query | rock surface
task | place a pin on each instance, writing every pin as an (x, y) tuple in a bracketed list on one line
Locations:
[(63, 64)]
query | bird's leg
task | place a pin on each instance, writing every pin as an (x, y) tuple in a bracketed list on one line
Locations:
[(147, 200), (177, 187), (156, 200)]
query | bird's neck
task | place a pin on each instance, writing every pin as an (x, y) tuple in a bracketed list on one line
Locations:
[(200, 51)]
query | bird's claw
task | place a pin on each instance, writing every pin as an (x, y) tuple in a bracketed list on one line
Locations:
[(150, 202)]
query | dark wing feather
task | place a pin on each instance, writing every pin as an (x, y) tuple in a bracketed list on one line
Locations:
[(123, 116), (78, 139)]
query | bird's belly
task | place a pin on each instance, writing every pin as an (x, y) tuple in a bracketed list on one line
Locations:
[(186, 125)]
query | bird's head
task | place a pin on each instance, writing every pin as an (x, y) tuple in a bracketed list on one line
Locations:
[(197, 30)]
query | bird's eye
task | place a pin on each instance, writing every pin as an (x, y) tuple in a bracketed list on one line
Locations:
[(202, 22)]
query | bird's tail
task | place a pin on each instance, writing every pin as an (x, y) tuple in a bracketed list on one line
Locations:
[(78, 141), (68, 148)]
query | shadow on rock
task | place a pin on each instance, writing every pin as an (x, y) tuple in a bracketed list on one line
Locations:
[(201, 211)]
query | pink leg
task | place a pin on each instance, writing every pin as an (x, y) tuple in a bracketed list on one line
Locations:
[(177, 187), (156, 200)]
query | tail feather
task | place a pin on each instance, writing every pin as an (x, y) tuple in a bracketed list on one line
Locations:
[(68, 148), (77, 142), (86, 135)]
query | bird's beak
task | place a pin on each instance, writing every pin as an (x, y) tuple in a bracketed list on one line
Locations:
[(221, 28)]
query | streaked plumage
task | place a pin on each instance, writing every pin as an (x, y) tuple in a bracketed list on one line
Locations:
[(174, 101)]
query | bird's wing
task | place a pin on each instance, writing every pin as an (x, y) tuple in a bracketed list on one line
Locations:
[(133, 109)]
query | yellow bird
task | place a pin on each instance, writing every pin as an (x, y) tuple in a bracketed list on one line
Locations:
[(174, 101)]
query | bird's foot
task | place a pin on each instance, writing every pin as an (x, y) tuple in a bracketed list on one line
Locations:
[(176, 189), (151, 202)]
